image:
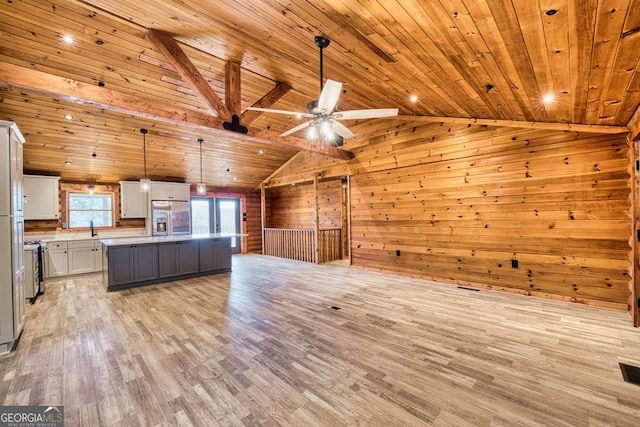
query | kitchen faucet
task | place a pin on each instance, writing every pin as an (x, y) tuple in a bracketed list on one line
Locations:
[(93, 232)]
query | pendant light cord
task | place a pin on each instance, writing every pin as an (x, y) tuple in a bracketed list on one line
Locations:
[(200, 141), (143, 131)]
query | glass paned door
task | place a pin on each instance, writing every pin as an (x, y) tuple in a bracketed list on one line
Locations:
[(219, 215), (228, 220), (201, 216)]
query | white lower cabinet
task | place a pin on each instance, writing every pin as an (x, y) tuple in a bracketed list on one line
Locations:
[(57, 260), (81, 259), (97, 255), (74, 257)]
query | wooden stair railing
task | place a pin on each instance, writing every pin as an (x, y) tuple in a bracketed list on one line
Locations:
[(298, 244)]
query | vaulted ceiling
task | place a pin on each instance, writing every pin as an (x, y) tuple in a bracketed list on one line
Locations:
[(490, 59)]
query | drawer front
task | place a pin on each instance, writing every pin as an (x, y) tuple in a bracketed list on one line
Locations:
[(78, 244), (57, 245)]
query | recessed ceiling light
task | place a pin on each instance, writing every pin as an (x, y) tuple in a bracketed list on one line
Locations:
[(67, 39), (299, 116), (261, 152), (68, 116), (67, 163), (235, 179), (413, 98), (548, 99)]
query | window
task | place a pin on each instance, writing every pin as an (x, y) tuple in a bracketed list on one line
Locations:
[(86, 207)]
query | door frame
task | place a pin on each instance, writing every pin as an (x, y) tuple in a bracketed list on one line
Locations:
[(238, 225), (211, 195)]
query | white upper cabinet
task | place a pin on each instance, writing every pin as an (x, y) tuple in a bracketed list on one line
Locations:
[(11, 141), (170, 191), (133, 202), (41, 197)]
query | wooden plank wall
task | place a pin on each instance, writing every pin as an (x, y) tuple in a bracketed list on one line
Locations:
[(292, 206), (460, 203)]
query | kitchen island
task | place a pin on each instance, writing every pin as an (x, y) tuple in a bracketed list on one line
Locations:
[(139, 261)]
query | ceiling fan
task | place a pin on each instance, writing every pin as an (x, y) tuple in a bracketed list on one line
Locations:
[(324, 122)]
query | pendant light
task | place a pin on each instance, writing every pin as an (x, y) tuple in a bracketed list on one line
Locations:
[(145, 183), (201, 187)]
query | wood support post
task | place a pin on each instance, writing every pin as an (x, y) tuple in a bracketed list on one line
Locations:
[(634, 125), (316, 221), (232, 88), (634, 284), (263, 213), (349, 218)]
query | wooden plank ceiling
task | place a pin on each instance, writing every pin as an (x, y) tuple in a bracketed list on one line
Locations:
[(489, 59)]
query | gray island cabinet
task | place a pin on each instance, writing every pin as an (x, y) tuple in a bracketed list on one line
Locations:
[(143, 261)]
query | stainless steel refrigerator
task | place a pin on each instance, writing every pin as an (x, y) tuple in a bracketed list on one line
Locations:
[(170, 218)]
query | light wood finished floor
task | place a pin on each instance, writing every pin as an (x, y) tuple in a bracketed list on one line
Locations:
[(261, 346)]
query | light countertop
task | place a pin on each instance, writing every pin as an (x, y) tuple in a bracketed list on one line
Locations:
[(160, 239), (69, 236)]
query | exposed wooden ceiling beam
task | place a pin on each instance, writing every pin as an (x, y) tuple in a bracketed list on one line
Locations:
[(232, 87), (266, 101), (189, 73), (634, 125), (81, 93), (516, 124)]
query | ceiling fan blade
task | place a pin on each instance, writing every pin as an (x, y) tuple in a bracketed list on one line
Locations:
[(365, 114), (296, 129), (271, 110), (341, 129), (329, 96)]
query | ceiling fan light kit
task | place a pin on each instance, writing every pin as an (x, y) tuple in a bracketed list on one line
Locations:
[(312, 132), (327, 131), (323, 125)]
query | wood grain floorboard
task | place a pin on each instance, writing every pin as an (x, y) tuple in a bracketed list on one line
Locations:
[(261, 346)]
